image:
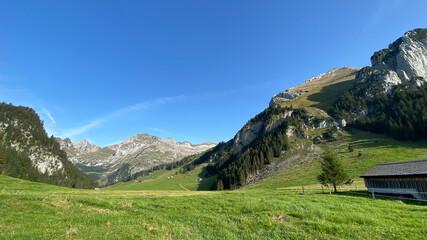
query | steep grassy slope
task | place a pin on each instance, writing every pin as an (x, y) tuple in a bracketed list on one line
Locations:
[(37, 211), (322, 91), (323, 95)]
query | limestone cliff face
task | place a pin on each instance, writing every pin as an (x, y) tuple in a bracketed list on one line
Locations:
[(260, 127), (405, 60), (117, 162), (253, 130), (41, 157)]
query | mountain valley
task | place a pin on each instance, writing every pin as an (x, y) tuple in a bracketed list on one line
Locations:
[(119, 162), (261, 184)]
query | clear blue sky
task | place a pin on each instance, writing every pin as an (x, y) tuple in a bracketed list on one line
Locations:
[(189, 70)]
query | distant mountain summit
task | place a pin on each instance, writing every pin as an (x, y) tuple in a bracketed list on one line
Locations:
[(118, 162), (27, 152)]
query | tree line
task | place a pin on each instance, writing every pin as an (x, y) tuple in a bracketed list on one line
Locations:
[(402, 114)]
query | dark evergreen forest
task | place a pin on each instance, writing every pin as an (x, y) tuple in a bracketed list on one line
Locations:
[(402, 114)]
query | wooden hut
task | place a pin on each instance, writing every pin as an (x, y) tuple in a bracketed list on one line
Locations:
[(400, 178)]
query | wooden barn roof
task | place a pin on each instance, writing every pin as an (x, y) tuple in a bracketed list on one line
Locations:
[(411, 168)]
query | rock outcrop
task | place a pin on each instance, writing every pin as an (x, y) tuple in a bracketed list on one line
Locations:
[(405, 60), (253, 130), (286, 95), (256, 127)]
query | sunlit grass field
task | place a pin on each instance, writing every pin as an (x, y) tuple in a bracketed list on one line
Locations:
[(38, 211), (161, 207)]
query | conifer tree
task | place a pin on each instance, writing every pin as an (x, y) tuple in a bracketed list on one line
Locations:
[(332, 171)]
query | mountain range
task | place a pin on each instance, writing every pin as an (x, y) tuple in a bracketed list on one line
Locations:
[(119, 162), (388, 97)]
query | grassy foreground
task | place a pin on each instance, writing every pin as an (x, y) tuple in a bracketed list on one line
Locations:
[(31, 210)]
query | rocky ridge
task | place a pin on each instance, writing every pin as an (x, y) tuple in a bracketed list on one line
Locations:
[(310, 84), (405, 60), (117, 162), (255, 129)]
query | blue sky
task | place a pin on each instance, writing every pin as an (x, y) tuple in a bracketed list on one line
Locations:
[(189, 70)]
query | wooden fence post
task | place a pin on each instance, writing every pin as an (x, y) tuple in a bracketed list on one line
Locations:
[(302, 189), (373, 194)]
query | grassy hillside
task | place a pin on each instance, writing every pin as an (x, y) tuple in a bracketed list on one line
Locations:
[(368, 149), (38, 211), (323, 95)]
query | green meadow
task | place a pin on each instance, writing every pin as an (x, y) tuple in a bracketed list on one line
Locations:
[(38, 211), (166, 205)]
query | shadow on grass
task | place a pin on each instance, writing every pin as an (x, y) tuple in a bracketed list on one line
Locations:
[(205, 180), (364, 139), (368, 195), (329, 94)]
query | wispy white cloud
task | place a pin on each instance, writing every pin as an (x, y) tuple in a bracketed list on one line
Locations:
[(159, 130), (47, 113), (82, 129), (139, 107)]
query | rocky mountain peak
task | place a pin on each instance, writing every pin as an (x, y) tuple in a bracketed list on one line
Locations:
[(85, 147), (169, 140), (404, 60), (329, 74)]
